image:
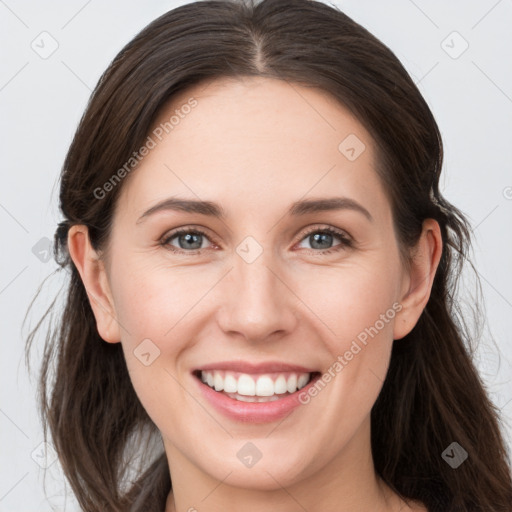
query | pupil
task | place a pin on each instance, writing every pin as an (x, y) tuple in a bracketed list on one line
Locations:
[(189, 239), (321, 237)]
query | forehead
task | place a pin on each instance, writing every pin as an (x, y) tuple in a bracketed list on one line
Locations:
[(251, 140)]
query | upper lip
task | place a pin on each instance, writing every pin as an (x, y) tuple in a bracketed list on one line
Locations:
[(247, 367)]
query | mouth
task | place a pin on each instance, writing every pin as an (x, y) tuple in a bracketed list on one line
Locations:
[(255, 387), (254, 393)]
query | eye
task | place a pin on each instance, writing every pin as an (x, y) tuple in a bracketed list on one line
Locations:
[(187, 239), (191, 240), (322, 239)]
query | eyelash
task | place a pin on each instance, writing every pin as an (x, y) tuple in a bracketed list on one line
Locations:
[(345, 240)]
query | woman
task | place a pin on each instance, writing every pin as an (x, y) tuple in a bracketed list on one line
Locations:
[(260, 308)]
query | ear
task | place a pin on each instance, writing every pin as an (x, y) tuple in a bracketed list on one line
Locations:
[(418, 279), (94, 277)]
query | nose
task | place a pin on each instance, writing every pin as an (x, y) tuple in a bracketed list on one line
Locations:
[(257, 302)]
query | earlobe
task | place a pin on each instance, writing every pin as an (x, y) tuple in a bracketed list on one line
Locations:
[(420, 278), (94, 277)]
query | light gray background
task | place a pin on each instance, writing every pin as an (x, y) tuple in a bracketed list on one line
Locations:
[(41, 101)]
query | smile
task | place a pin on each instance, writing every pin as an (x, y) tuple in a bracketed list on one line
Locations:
[(253, 387), (254, 393)]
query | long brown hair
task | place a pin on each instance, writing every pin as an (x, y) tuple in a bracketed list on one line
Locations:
[(432, 395)]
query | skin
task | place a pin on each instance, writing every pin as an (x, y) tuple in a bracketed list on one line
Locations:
[(255, 146)]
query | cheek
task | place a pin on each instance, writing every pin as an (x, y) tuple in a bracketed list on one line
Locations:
[(357, 307), (351, 300), (155, 306), (155, 302)]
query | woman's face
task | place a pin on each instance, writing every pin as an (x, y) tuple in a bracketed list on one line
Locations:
[(281, 288)]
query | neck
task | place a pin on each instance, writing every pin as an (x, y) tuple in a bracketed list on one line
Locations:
[(347, 483)]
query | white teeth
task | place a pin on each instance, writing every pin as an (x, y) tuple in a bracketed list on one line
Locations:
[(291, 383), (218, 381), (246, 385), (280, 385), (243, 386), (302, 381), (230, 384), (264, 386), (242, 398)]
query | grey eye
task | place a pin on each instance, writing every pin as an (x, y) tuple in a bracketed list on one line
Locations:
[(189, 240)]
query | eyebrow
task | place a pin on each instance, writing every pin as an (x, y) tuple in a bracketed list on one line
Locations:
[(298, 208)]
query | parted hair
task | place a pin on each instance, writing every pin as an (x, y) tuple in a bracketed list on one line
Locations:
[(432, 394)]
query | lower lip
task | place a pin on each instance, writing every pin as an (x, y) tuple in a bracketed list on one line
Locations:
[(253, 412)]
